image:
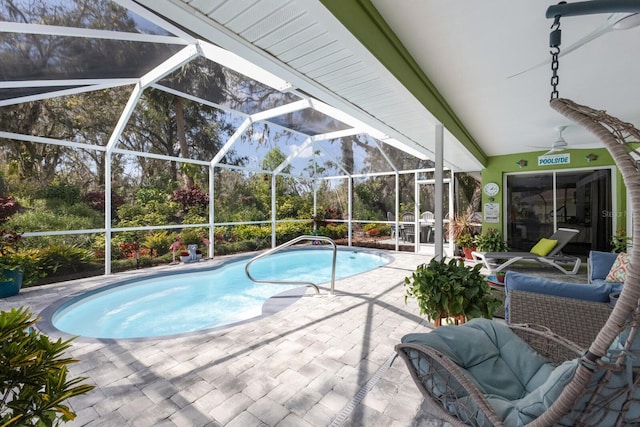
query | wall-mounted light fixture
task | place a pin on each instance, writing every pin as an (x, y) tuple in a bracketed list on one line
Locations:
[(522, 163)]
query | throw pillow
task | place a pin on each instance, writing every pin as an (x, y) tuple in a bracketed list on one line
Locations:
[(618, 272), (543, 247)]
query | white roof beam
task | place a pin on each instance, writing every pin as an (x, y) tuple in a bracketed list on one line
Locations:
[(278, 111), (155, 19), (232, 140), (406, 148), (176, 61), (65, 92), (333, 159), (242, 66), (44, 140), (197, 99), (15, 84), (124, 117), (292, 156), (55, 30), (160, 157), (335, 135)]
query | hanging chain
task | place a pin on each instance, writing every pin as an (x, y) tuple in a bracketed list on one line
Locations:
[(554, 44)]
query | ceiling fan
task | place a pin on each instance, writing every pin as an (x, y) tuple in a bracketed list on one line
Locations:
[(560, 144), (615, 22)]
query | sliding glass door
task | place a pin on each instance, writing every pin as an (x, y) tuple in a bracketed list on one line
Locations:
[(538, 204)]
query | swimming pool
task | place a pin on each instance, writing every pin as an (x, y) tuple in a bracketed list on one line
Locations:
[(192, 301)]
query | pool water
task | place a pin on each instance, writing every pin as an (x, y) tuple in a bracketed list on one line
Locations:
[(187, 302)]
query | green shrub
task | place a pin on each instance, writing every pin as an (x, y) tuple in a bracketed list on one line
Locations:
[(33, 369), (147, 195), (337, 231), (191, 236), (290, 230), (251, 232), (235, 247), (158, 242), (62, 191), (40, 218), (58, 259), (382, 229)]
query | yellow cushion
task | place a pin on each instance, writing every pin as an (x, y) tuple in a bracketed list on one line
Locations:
[(543, 247), (618, 272)]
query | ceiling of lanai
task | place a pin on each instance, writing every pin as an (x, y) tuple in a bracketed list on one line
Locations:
[(336, 51)]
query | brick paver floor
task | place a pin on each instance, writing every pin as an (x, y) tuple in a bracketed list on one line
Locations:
[(303, 366)]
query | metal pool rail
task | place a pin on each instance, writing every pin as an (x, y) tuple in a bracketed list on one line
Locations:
[(286, 245)]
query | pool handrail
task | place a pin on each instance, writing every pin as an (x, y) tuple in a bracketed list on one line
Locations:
[(286, 245)]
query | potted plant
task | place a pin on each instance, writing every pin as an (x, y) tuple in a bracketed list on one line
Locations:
[(34, 371), (620, 241), (465, 241), (184, 256), (16, 267), (451, 290), (491, 241)]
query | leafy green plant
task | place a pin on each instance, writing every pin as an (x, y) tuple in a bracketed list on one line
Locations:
[(448, 289), (491, 241), (33, 374), (63, 259), (159, 242), (620, 241), (336, 231), (13, 258), (465, 241)]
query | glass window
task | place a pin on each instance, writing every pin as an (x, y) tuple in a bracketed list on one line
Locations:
[(580, 199)]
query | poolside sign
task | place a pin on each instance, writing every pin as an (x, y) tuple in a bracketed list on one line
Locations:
[(554, 159)]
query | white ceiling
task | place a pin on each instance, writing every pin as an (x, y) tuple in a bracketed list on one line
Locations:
[(468, 48)]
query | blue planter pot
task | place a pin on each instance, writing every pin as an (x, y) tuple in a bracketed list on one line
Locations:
[(11, 282)]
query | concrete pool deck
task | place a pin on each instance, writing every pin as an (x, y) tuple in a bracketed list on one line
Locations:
[(322, 361)]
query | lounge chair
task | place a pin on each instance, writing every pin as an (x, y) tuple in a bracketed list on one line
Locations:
[(554, 258)]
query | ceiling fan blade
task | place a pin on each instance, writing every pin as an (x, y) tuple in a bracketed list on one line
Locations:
[(614, 22)]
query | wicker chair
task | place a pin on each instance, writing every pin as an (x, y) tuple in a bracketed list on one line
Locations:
[(455, 394), (604, 389)]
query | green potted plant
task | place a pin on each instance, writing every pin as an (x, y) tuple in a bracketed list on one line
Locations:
[(16, 267), (466, 242), (33, 372), (491, 241), (620, 241), (451, 290)]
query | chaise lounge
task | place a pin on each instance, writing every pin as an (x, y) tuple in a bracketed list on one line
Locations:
[(546, 251)]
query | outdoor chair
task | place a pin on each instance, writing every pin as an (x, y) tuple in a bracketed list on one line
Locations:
[(409, 230), (392, 219), (428, 220), (480, 374), (546, 251)]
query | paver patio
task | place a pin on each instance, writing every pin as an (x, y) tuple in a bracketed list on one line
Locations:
[(311, 364)]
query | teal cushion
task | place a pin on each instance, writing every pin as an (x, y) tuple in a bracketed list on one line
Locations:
[(518, 383), (499, 361), (523, 411)]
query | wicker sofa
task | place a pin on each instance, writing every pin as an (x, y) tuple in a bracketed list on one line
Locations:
[(576, 312)]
